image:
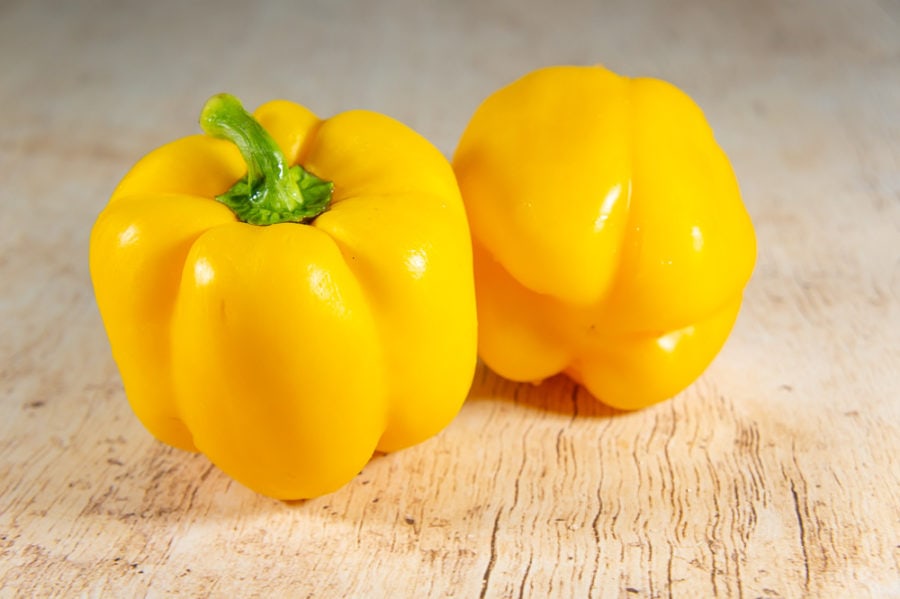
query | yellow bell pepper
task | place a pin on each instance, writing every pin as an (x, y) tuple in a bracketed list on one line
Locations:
[(610, 240), (312, 315)]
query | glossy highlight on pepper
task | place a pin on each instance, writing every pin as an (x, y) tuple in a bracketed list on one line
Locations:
[(288, 294), (610, 239)]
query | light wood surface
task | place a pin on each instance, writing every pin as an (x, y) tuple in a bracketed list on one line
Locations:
[(776, 475)]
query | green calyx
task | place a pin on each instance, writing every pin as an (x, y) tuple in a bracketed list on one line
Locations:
[(271, 192)]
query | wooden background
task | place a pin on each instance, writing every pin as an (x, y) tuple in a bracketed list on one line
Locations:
[(776, 475)]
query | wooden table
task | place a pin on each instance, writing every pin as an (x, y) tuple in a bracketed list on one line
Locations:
[(775, 475)]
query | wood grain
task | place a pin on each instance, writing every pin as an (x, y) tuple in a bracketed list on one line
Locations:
[(776, 475)]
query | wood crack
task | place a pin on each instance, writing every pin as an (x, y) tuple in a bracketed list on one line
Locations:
[(524, 578), (486, 577), (802, 528)]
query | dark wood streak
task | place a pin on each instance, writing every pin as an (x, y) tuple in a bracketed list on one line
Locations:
[(486, 576), (802, 534), (525, 578)]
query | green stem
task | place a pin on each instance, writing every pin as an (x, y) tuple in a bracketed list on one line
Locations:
[(271, 192)]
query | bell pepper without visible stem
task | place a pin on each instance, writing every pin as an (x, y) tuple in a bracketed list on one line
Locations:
[(610, 239), (342, 322)]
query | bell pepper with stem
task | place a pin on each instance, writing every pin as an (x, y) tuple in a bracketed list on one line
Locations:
[(286, 320)]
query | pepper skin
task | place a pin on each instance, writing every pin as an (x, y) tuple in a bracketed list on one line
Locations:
[(289, 353), (610, 239)]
